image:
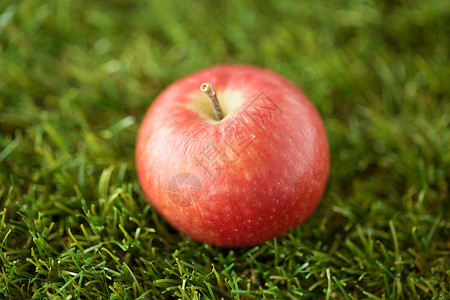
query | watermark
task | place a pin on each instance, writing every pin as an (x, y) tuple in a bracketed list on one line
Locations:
[(262, 110), (184, 189)]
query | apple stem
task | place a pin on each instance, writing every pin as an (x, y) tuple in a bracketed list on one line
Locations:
[(209, 91)]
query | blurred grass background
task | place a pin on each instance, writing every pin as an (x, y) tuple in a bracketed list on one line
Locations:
[(76, 77)]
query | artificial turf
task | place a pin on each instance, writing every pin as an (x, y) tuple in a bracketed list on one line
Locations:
[(76, 78)]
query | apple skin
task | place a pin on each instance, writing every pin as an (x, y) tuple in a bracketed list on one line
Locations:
[(249, 177)]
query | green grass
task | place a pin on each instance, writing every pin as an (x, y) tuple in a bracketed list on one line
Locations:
[(76, 78)]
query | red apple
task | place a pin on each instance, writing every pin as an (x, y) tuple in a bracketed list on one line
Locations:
[(240, 178)]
